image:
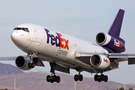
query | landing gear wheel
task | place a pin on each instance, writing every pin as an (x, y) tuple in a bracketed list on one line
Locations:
[(48, 78), (76, 77), (99, 80), (95, 77), (101, 77), (80, 77), (58, 79), (105, 78), (53, 79)]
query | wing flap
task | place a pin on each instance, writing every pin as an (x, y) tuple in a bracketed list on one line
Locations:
[(60, 68)]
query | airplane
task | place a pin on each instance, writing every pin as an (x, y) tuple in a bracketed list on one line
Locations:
[(65, 52)]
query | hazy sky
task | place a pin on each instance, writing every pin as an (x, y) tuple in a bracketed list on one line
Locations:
[(81, 18)]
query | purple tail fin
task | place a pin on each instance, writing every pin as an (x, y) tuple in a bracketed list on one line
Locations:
[(116, 26)]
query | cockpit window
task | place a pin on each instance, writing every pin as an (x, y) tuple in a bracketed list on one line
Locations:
[(24, 29), (17, 28)]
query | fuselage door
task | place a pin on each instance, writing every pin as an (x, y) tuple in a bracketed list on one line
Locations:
[(36, 40), (35, 33)]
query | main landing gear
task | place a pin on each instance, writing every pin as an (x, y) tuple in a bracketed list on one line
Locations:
[(53, 78), (97, 77), (101, 77), (79, 76)]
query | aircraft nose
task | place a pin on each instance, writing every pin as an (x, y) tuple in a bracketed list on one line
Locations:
[(14, 36)]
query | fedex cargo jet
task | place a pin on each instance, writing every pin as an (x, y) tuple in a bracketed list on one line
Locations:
[(64, 52)]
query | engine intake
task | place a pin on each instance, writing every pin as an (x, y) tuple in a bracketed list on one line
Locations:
[(99, 61), (103, 39), (23, 62)]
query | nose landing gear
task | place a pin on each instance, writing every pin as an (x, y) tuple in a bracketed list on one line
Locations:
[(31, 64)]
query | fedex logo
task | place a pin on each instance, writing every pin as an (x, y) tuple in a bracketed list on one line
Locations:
[(57, 40), (117, 43), (106, 60)]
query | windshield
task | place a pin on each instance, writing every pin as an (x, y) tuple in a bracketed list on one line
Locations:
[(24, 29)]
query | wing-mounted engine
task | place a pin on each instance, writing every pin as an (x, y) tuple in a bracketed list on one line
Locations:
[(22, 62), (99, 61), (112, 44)]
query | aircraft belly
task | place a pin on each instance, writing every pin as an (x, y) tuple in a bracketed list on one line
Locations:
[(68, 61)]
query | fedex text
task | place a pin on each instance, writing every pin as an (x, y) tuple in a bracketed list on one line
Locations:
[(57, 40)]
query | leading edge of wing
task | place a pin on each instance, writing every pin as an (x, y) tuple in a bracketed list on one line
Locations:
[(7, 58), (86, 54), (36, 60)]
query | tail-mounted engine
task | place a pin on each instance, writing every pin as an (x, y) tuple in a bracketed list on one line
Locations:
[(112, 44), (23, 63), (99, 61)]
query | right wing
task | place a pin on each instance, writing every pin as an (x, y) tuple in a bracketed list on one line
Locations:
[(118, 57), (114, 58)]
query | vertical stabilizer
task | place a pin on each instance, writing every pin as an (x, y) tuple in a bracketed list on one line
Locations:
[(116, 26)]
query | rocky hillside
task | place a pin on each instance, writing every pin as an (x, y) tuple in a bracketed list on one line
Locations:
[(8, 69), (37, 81)]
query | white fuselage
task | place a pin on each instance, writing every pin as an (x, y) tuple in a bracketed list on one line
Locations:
[(52, 45)]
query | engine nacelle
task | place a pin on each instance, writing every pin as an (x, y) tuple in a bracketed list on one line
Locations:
[(99, 61), (22, 62), (112, 44), (103, 38)]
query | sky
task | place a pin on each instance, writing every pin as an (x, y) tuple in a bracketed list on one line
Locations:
[(80, 18)]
